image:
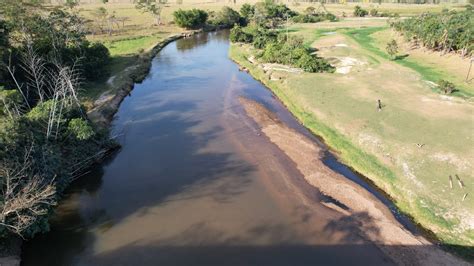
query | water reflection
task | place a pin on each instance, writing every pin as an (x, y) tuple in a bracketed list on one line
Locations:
[(181, 191)]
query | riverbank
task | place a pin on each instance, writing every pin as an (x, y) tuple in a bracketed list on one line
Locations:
[(331, 107), (102, 115), (107, 104), (375, 220)]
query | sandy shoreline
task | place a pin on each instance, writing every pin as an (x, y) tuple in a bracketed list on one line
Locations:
[(374, 218)]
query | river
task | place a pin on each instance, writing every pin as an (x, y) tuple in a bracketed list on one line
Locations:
[(195, 183)]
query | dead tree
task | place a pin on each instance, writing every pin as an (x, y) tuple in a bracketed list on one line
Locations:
[(25, 196)]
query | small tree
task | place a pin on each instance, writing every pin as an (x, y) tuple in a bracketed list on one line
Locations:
[(71, 3), (190, 19), (446, 86), (392, 49), (153, 7), (359, 12), (247, 11)]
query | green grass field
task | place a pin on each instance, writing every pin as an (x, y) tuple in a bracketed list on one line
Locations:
[(341, 108)]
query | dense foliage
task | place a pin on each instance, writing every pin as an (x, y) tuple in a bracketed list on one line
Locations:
[(448, 31), (446, 86), (360, 12), (313, 18), (247, 11), (46, 139), (278, 48), (311, 15), (226, 18), (57, 34), (190, 19)]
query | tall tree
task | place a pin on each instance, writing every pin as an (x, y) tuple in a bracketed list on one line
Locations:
[(154, 7)]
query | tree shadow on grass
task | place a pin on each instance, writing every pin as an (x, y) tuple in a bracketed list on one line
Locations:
[(401, 57)]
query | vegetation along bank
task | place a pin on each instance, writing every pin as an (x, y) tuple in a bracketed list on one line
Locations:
[(394, 131)]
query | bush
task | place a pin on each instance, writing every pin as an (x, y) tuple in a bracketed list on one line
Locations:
[(237, 34), (247, 11), (226, 18), (293, 52), (446, 86), (374, 12), (307, 18), (94, 60), (359, 12), (190, 19), (80, 129), (392, 49), (279, 49), (314, 17)]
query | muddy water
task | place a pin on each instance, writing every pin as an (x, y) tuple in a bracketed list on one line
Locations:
[(195, 183)]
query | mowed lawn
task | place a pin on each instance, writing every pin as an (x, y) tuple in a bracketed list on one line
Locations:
[(410, 147)]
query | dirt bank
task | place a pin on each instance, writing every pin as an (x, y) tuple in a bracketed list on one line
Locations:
[(374, 218), (107, 105)]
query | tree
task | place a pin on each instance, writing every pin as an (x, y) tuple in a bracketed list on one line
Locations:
[(226, 17), (71, 3), (190, 19), (154, 7), (247, 11), (392, 49), (359, 12), (446, 86)]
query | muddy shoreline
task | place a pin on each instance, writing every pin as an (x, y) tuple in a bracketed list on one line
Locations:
[(384, 230), (104, 110), (102, 115)]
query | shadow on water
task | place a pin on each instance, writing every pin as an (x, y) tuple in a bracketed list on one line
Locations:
[(161, 157), (165, 154)]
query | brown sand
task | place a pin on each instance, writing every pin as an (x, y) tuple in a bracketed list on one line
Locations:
[(383, 229)]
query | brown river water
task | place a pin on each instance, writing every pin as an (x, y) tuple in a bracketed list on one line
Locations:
[(195, 183)]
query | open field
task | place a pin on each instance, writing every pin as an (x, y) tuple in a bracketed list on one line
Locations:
[(139, 34), (408, 149)]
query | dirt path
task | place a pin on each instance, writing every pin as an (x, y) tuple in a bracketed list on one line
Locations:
[(375, 221)]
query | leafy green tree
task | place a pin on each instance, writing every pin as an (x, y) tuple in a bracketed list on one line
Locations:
[(448, 31), (154, 7), (392, 49), (247, 11), (190, 19), (226, 17)]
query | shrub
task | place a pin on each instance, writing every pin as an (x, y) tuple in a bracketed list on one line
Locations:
[(247, 11), (227, 17), (307, 18), (359, 12), (314, 17), (95, 58), (80, 129), (190, 19), (392, 49), (293, 52), (374, 12), (446, 86), (237, 34)]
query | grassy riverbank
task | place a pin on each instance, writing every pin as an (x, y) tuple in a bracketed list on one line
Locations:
[(405, 149)]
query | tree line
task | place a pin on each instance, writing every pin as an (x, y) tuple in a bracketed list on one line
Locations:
[(46, 140), (450, 31)]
